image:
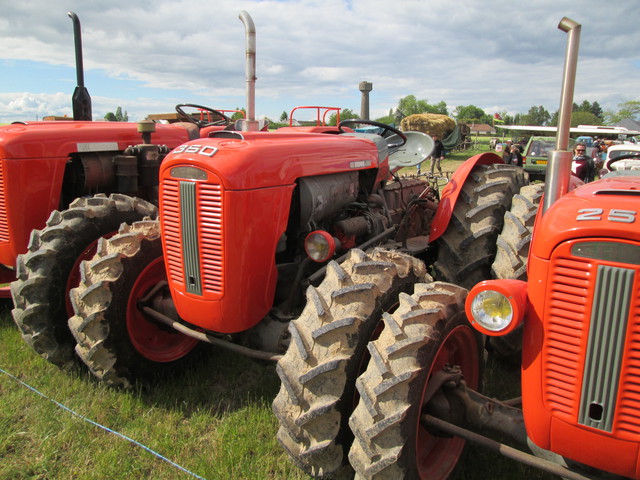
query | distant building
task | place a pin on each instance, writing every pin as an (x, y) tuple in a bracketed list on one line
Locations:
[(482, 129), (629, 124)]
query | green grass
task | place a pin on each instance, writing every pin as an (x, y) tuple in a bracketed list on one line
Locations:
[(215, 421)]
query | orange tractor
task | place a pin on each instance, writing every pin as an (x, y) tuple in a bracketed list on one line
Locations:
[(50, 215), (580, 312)]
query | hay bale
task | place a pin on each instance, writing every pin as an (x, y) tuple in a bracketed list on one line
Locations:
[(430, 123)]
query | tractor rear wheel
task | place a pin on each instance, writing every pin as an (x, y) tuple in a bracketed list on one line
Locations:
[(49, 269), (427, 332), (115, 339), (467, 248), (328, 351), (515, 238), (511, 259)]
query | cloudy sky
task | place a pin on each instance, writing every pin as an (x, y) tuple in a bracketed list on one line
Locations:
[(501, 55)]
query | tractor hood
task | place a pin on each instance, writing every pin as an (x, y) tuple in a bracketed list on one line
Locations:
[(61, 138), (607, 208), (250, 160)]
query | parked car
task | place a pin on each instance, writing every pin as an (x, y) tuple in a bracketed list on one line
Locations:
[(535, 155), (615, 151)]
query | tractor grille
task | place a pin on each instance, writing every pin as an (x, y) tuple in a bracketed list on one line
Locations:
[(592, 351), (192, 229), (4, 222)]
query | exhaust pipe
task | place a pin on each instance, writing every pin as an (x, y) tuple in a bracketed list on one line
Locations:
[(559, 167), (81, 101), (250, 124)]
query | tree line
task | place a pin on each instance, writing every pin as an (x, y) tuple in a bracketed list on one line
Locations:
[(586, 113)]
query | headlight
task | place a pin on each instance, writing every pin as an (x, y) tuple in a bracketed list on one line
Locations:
[(320, 246), (492, 310), (497, 307)]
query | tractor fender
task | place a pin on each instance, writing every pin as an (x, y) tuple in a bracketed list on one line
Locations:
[(452, 190)]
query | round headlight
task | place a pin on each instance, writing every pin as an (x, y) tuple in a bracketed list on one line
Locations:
[(320, 246), (492, 310)]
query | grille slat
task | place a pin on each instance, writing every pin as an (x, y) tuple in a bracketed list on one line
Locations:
[(203, 248), (605, 394), (4, 220)]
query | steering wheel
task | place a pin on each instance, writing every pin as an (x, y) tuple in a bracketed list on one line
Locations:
[(625, 156), (201, 123), (387, 130)]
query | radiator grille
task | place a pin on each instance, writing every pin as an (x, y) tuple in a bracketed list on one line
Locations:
[(192, 228), (595, 380), (4, 221)]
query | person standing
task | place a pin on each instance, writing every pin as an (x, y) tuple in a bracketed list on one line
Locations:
[(437, 155), (583, 165), (513, 157)]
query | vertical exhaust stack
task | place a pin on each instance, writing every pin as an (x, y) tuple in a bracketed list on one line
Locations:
[(81, 101), (250, 124), (559, 167)]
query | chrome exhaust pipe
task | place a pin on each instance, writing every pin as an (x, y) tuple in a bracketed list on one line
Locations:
[(250, 124), (559, 167)]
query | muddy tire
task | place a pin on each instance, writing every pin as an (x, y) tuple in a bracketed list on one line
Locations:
[(114, 338), (515, 238), (328, 351), (466, 250), (511, 260), (426, 332), (49, 269)]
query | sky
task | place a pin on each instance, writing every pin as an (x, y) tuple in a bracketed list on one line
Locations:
[(146, 57)]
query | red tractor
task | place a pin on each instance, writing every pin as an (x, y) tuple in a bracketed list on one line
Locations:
[(580, 311), (249, 223), (50, 215)]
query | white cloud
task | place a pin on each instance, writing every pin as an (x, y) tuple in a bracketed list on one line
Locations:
[(499, 53)]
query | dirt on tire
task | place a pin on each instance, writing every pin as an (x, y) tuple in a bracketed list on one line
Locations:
[(328, 351), (49, 269)]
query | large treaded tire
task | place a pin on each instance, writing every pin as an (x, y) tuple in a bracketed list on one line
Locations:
[(466, 250), (515, 238), (49, 269), (114, 338), (511, 260), (328, 351), (426, 332)]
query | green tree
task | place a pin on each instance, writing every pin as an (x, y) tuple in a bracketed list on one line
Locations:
[(345, 114), (537, 116), (584, 118), (238, 115), (593, 108), (471, 114), (284, 117), (119, 116), (410, 105), (627, 109)]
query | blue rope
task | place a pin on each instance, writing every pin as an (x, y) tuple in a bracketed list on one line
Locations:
[(129, 439)]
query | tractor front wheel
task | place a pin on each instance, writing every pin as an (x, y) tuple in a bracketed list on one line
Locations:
[(428, 332), (49, 269), (328, 351), (511, 260), (114, 338)]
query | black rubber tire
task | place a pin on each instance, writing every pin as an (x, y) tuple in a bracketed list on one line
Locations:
[(428, 330), (515, 238), (328, 351), (466, 250), (103, 303), (511, 260), (40, 292)]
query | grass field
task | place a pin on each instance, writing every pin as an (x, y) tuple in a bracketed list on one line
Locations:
[(215, 421)]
